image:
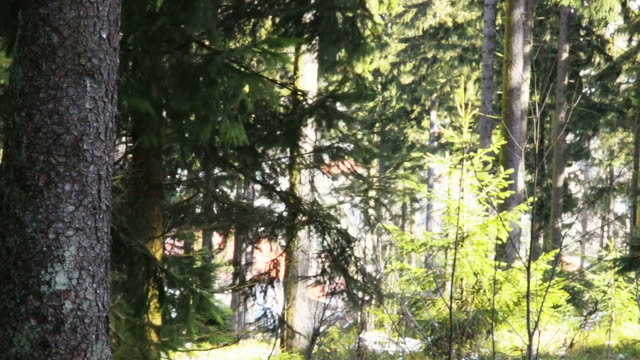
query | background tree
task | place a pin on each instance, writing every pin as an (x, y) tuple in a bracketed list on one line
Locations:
[(558, 134), (393, 211), (488, 72), (513, 128)]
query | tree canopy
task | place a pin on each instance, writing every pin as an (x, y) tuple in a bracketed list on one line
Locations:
[(341, 178)]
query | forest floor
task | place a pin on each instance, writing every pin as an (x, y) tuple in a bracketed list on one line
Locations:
[(245, 350), (622, 345)]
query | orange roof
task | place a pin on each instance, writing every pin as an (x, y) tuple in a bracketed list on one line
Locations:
[(340, 167)]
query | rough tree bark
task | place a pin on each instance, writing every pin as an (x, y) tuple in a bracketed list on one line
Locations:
[(488, 73), (56, 182), (511, 154), (558, 135)]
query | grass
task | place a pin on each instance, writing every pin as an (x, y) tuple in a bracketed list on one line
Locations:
[(591, 345), (245, 350)]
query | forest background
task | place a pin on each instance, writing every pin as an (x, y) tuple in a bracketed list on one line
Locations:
[(457, 175)]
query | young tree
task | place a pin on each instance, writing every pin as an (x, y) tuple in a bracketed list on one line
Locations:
[(56, 182)]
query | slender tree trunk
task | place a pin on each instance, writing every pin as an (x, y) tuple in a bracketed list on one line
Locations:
[(56, 183), (527, 38), (605, 229), (291, 273), (209, 188), (431, 176), (5, 111), (488, 73), (634, 243), (207, 243), (584, 220), (538, 219), (146, 225), (610, 203), (403, 215), (511, 154), (379, 247), (299, 318), (241, 244), (207, 236), (146, 195), (558, 135), (363, 316)]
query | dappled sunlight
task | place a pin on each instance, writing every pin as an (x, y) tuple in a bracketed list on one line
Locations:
[(320, 180)]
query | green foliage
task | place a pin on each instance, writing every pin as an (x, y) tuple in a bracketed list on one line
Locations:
[(606, 10), (337, 343), (217, 102), (191, 314), (288, 356), (4, 70), (489, 300), (210, 86)]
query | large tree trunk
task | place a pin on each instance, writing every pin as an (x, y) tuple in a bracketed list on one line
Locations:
[(558, 135), (488, 73), (56, 183), (511, 154)]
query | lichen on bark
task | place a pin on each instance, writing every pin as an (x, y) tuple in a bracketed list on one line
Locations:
[(55, 196)]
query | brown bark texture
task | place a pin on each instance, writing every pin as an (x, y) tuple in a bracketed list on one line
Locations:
[(511, 154), (488, 73), (56, 182)]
